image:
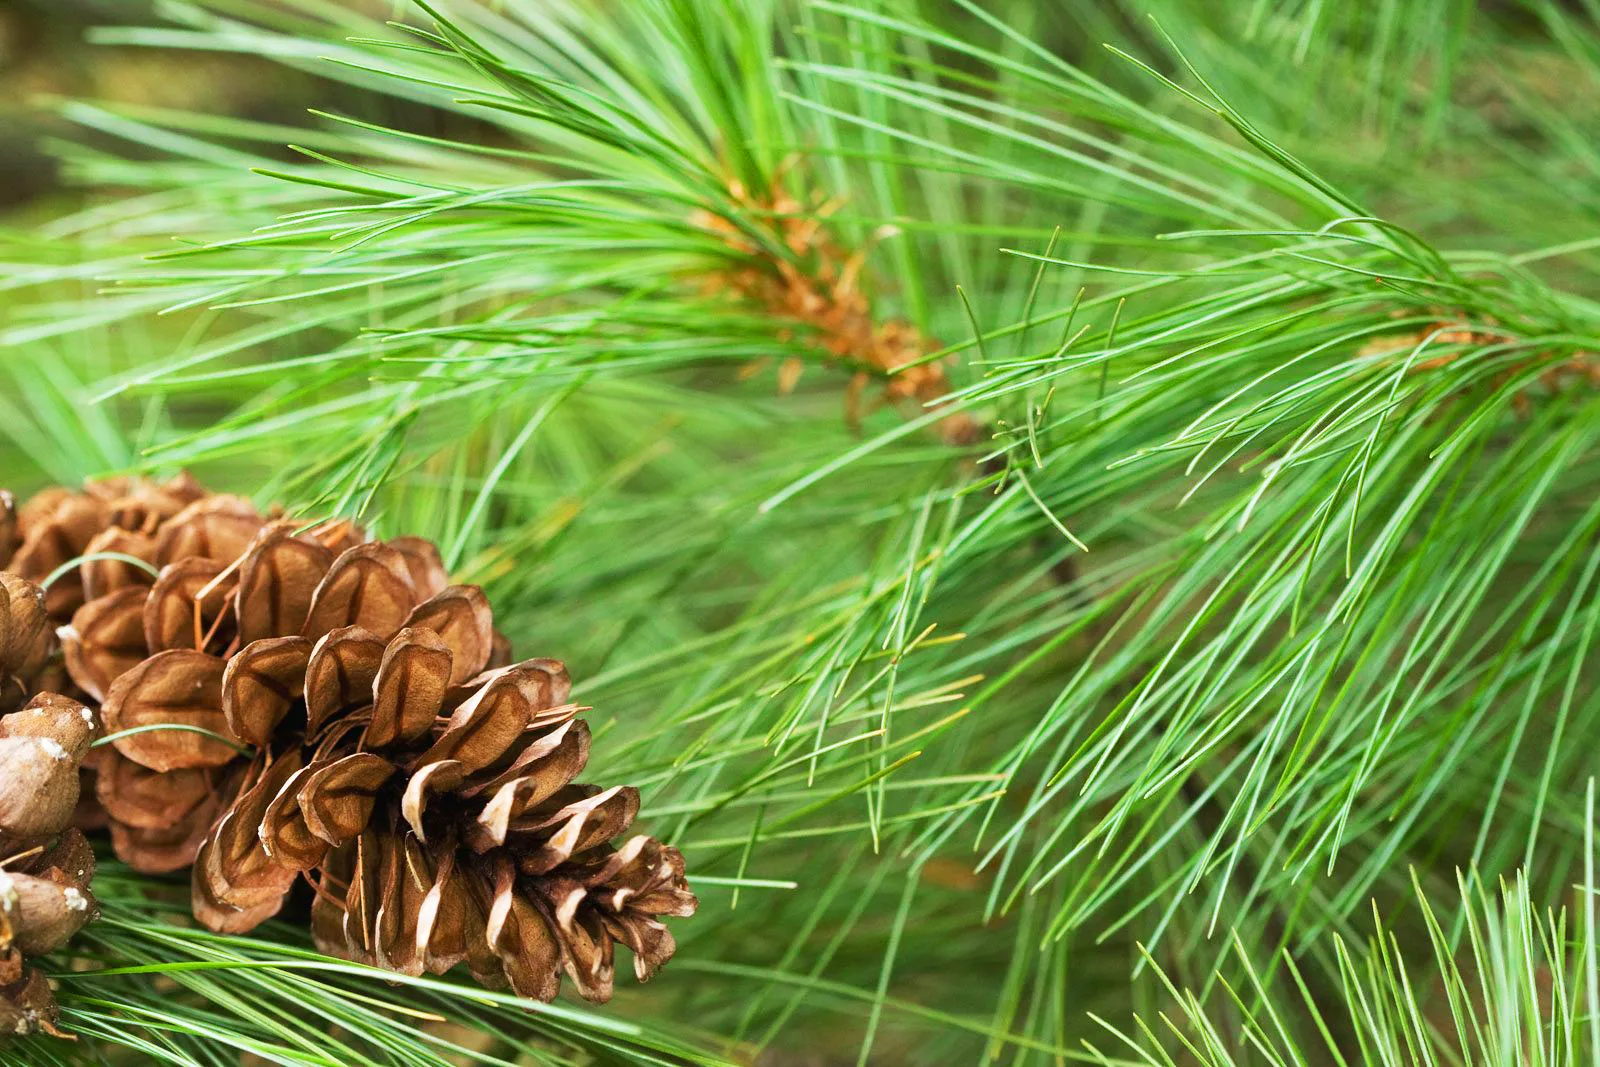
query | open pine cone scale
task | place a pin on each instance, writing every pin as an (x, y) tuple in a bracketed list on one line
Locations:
[(27, 639)]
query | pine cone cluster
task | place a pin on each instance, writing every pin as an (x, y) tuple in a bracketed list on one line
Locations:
[(288, 702), (45, 863)]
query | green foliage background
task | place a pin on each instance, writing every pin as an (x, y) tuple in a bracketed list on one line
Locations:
[(1287, 312)]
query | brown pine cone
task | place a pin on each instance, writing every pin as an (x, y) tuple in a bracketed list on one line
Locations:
[(47, 865), (433, 808), (27, 639), (285, 702)]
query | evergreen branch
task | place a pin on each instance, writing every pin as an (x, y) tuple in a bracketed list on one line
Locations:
[(1337, 476)]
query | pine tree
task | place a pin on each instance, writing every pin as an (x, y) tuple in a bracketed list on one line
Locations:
[(1082, 527)]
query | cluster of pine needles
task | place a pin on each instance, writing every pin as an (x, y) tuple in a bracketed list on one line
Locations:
[(1082, 520)]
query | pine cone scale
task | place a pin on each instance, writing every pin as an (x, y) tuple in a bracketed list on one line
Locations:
[(106, 639), (340, 675), (26, 638), (104, 576), (178, 687), (261, 685), (369, 586), (577, 827), (134, 794), (188, 605), (522, 939), (413, 678), (440, 777), (339, 796), (446, 914), (405, 882), (237, 881), (462, 621), (278, 581), (483, 729)]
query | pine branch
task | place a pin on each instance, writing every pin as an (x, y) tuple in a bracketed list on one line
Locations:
[(1336, 477)]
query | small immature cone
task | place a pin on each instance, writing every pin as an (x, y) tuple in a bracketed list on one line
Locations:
[(818, 288), (41, 747), (44, 880)]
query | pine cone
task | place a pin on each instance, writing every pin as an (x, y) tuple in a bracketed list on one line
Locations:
[(27, 640), (288, 703), (45, 875), (432, 806)]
